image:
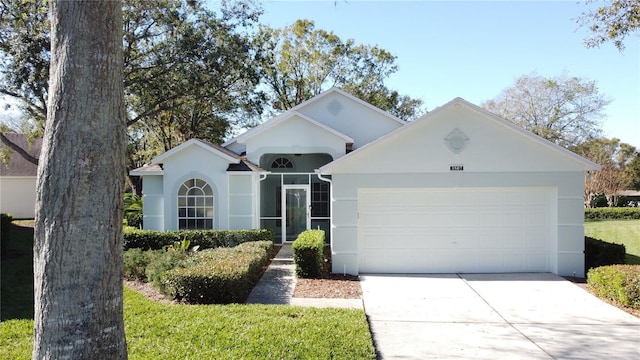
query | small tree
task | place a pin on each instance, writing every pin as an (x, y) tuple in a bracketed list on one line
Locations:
[(614, 158)]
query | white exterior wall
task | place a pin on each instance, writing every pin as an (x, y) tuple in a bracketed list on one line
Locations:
[(567, 244), (18, 196), (242, 200), (153, 202), (196, 162), (295, 136), (361, 123)]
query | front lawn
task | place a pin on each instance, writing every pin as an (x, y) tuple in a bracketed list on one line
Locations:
[(165, 331), (626, 232)]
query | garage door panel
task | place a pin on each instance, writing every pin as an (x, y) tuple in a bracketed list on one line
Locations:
[(512, 218), (454, 230)]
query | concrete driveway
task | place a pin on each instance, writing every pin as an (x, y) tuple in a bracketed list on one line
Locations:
[(494, 316)]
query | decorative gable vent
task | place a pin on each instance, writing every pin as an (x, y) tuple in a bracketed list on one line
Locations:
[(456, 141), (335, 107)]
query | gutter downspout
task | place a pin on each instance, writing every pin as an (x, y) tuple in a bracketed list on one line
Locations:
[(330, 207)]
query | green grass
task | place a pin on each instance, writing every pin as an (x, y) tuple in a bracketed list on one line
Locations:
[(163, 331), (626, 232)]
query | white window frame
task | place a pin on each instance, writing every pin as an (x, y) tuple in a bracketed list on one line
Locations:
[(196, 198)]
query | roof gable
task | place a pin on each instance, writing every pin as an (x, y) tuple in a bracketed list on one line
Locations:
[(213, 148), (283, 119), (337, 91), (337, 110), (487, 143), (236, 162)]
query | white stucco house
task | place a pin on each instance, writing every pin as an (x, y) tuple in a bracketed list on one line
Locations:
[(458, 190), (18, 179)]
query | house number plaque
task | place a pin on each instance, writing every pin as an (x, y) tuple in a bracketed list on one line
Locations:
[(456, 167)]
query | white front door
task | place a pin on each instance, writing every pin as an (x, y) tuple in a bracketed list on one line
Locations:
[(295, 212)]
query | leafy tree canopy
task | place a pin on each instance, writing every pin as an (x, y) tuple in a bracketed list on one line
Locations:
[(302, 61), (187, 70), (612, 21), (562, 109)]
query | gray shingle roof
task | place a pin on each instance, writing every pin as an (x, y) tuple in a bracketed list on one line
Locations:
[(18, 166)]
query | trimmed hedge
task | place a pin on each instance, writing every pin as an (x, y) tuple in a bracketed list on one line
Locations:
[(308, 253), (206, 239), (601, 253), (218, 276), (620, 283), (615, 213)]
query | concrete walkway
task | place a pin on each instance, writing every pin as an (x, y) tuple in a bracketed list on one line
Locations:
[(279, 282), (494, 316)]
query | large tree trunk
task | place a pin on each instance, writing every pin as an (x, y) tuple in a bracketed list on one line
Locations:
[(79, 206)]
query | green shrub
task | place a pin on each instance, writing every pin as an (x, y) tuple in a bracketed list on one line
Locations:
[(615, 213), (135, 264), (205, 239), (620, 283), (218, 276), (161, 261), (308, 251), (601, 253)]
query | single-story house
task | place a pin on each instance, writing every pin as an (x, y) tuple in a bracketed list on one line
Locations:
[(458, 190), (18, 179)]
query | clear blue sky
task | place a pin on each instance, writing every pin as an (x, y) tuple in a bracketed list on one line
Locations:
[(474, 49)]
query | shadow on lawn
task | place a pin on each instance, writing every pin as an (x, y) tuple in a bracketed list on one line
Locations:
[(16, 267)]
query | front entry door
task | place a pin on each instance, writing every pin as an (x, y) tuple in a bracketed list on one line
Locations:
[(295, 213)]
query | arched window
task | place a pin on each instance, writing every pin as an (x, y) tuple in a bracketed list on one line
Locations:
[(195, 205), (282, 163)]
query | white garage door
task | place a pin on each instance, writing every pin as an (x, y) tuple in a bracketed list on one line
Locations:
[(466, 230)]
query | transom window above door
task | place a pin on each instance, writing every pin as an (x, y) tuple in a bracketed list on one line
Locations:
[(282, 163), (195, 205)]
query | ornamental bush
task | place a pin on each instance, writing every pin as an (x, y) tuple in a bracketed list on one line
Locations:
[(205, 239), (218, 276), (601, 253), (620, 283), (308, 251), (615, 213)]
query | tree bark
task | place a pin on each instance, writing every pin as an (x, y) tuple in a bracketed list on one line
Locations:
[(79, 203)]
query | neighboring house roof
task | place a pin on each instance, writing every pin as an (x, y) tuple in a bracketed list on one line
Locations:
[(18, 166), (585, 163), (285, 117), (236, 162)]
